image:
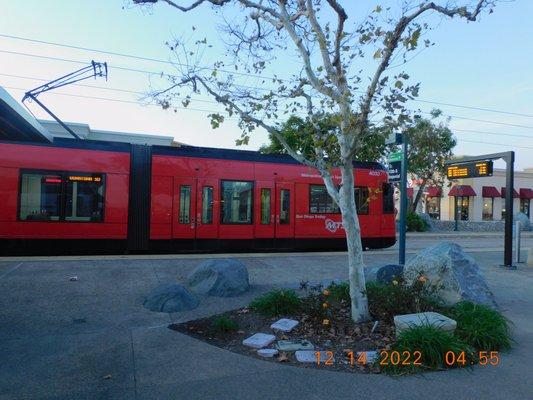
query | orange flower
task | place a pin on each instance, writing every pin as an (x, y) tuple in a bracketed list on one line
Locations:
[(325, 292), (422, 278), (325, 322), (325, 305)]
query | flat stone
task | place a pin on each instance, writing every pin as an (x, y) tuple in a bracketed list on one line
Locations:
[(219, 277), (402, 322), (310, 356), (294, 345), (170, 298), (267, 353), (259, 340), (284, 325)]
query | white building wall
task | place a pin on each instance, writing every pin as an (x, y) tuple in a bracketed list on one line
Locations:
[(522, 180)]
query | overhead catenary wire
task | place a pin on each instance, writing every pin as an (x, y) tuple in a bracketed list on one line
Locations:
[(213, 111), (161, 61)]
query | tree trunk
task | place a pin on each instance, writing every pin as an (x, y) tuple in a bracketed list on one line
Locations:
[(350, 221), (418, 195)]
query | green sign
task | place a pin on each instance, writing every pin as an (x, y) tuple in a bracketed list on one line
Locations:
[(397, 156)]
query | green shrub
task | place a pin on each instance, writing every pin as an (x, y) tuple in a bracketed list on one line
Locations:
[(340, 291), (223, 324), (415, 223), (433, 345), (481, 327), (387, 300), (277, 302)]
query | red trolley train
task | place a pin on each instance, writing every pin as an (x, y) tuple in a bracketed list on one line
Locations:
[(78, 196)]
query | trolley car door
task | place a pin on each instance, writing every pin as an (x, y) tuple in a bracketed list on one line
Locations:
[(284, 210), (184, 218)]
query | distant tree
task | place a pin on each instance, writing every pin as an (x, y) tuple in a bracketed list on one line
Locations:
[(327, 66), (298, 133), (431, 143)]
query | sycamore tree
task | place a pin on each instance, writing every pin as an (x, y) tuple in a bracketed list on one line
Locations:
[(310, 57), (431, 143)]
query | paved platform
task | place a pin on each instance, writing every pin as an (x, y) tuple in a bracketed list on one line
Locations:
[(92, 339)]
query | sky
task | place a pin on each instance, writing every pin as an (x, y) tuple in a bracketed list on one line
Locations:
[(486, 64)]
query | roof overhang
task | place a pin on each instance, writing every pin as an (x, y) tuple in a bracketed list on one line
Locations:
[(17, 124)]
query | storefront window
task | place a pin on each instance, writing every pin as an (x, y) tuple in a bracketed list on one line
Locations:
[(524, 206), (462, 204), (236, 202), (488, 206), (433, 207)]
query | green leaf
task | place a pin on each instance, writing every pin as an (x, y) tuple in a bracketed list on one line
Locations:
[(377, 54)]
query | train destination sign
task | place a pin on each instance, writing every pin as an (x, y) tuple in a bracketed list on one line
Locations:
[(474, 169)]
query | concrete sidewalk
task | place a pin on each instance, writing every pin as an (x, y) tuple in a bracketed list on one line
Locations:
[(92, 339)]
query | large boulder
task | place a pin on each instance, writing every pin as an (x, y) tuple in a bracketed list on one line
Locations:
[(384, 273), (219, 277), (170, 298), (525, 223), (427, 219), (453, 274)]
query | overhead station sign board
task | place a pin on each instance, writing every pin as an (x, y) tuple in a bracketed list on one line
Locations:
[(474, 169)]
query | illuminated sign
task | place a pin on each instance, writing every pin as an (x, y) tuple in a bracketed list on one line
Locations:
[(81, 178), (52, 179), (475, 169)]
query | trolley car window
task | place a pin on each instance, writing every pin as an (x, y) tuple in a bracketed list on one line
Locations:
[(320, 201), (61, 196), (84, 198), (388, 198), (207, 205), (361, 200), (265, 206), (285, 207), (185, 204), (236, 202)]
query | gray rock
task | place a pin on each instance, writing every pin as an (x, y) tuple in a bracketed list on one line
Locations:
[(294, 345), (219, 277), (525, 223), (454, 274), (428, 220), (384, 273), (170, 298)]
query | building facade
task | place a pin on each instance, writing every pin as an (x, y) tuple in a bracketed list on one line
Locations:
[(476, 199)]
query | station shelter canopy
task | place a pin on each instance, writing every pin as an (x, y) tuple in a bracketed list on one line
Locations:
[(17, 124)]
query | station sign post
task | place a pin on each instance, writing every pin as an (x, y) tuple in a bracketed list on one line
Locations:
[(398, 173), (480, 166)]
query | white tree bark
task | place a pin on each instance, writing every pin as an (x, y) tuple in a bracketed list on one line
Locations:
[(350, 222)]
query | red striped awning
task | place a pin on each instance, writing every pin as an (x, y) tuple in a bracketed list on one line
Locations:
[(526, 193), (515, 193), (490, 191), (410, 192), (434, 191), (462, 190)]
